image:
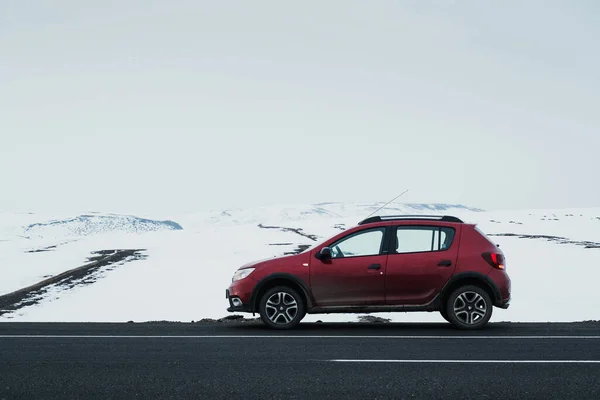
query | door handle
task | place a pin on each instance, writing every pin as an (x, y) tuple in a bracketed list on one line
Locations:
[(374, 266), (445, 263)]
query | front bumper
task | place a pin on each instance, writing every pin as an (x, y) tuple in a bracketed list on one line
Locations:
[(236, 303)]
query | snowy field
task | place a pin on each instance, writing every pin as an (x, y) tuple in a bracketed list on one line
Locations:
[(191, 258)]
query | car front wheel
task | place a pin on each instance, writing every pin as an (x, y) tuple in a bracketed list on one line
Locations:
[(281, 307), (469, 307)]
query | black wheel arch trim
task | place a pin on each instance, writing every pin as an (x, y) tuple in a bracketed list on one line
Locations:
[(279, 276), (497, 299)]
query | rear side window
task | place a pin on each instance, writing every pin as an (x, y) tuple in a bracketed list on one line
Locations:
[(417, 239)]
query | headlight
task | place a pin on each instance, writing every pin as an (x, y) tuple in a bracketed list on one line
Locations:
[(241, 274)]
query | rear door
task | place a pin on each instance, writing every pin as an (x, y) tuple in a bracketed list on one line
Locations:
[(422, 259), (355, 275)]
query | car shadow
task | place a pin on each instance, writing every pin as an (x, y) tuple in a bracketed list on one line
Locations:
[(359, 328)]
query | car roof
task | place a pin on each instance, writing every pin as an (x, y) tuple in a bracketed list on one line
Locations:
[(388, 218)]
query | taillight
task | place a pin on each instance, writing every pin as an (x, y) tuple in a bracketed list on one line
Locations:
[(496, 260)]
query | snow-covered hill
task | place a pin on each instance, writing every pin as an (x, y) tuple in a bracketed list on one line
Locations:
[(33, 226), (86, 225), (181, 274), (317, 212)]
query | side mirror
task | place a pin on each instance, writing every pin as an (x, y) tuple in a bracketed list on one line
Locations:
[(324, 254)]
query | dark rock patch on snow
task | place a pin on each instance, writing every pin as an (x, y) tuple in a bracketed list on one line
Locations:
[(298, 231), (299, 249), (48, 248), (556, 239), (42, 249), (372, 319), (101, 261)]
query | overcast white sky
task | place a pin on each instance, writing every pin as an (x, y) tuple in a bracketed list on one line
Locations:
[(137, 105)]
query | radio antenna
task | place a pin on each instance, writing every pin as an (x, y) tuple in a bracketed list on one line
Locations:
[(387, 203)]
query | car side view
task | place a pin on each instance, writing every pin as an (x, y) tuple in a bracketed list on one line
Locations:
[(384, 264)]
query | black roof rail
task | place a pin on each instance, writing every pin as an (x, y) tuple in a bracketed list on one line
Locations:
[(377, 218)]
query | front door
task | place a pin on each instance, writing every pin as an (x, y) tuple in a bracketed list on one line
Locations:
[(422, 259), (355, 274)]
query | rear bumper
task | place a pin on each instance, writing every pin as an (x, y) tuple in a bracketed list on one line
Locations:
[(503, 284), (504, 303)]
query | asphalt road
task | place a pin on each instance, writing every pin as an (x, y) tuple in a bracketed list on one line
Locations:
[(316, 361)]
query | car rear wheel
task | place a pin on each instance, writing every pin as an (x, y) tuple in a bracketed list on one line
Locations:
[(469, 307), (281, 307)]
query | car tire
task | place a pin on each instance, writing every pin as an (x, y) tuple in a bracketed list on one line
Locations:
[(281, 307), (469, 307)]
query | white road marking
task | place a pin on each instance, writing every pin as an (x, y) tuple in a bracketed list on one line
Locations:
[(473, 361), (301, 337)]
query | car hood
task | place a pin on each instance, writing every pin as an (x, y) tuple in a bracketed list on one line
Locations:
[(272, 260), (255, 263)]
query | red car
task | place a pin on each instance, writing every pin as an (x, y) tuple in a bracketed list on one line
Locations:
[(384, 264)]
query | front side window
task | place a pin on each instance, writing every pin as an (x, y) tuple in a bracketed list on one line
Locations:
[(364, 243), (416, 239)]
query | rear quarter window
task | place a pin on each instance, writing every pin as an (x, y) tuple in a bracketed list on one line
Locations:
[(418, 239)]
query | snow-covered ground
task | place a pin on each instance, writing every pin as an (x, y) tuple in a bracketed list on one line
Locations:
[(187, 270)]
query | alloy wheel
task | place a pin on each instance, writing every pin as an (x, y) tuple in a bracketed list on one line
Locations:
[(470, 308), (281, 308)]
